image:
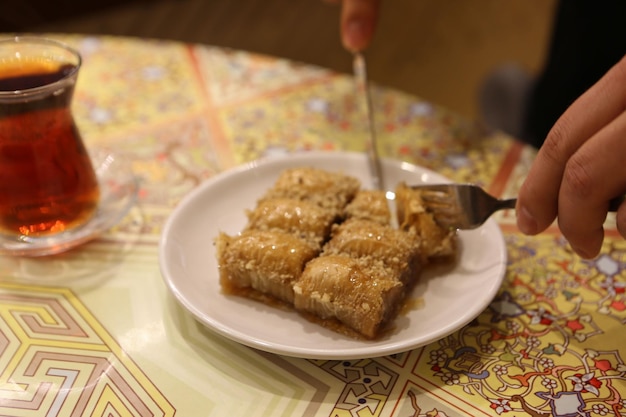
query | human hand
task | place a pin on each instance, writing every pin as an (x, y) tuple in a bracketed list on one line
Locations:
[(357, 23), (580, 168)]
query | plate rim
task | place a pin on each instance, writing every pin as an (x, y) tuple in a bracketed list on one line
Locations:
[(303, 352)]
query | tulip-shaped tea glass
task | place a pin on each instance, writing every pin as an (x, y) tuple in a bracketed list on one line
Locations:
[(47, 182)]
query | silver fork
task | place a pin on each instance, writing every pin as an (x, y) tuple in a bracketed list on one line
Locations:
[(467, 206), (461, 206)]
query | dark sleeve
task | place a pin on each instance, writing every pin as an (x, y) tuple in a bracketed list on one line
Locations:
[(589, 37)]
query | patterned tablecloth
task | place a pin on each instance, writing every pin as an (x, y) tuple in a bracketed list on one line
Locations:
[(95, 331)]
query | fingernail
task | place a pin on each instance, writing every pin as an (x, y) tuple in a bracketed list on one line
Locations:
[(526, 223), (355, 34), (591, 248), (584, 252)]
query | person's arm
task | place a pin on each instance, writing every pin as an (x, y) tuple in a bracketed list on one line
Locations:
[(580, 167), (357, 23)]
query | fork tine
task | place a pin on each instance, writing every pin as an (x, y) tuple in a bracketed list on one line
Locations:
[(447, 222), (436, 196), (444, 205), (437, 193)]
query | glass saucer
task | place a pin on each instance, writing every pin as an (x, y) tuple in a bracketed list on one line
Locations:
[(118, 193)]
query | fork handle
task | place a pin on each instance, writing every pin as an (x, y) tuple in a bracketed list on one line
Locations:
[(510, 203)]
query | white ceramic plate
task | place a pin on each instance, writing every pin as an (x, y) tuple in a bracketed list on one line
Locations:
[(448, 297)]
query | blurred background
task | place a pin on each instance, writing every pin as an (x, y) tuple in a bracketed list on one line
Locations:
[(442, 51)]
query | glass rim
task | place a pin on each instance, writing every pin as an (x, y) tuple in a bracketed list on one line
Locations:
[(44, 41)]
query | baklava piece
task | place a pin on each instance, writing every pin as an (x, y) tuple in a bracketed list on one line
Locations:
[(348, 295), (329, 190), (398, 251), (262, 261), (369, 205), (438, 243), (302, 219), (362, 277)]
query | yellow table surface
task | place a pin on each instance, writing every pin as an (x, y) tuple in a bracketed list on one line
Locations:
[(95, 332)]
